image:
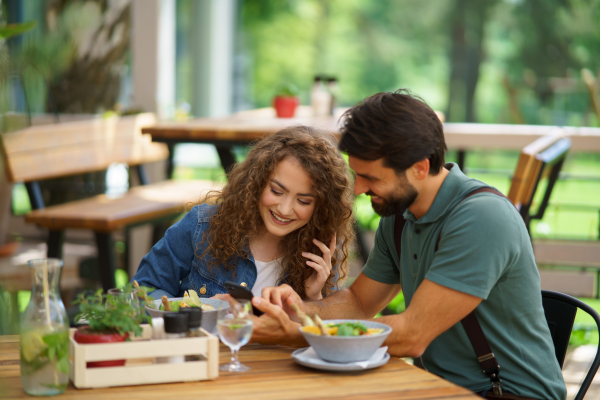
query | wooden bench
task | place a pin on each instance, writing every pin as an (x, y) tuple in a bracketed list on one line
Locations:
[(58, 150)]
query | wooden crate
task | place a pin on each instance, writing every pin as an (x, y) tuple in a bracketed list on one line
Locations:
[(139, 354)]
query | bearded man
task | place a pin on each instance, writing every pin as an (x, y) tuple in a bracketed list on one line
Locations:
[(456, 247)]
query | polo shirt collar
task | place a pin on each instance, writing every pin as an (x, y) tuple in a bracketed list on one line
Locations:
[(450, 189)]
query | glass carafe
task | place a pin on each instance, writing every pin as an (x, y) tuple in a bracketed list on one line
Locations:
[(45, 332)]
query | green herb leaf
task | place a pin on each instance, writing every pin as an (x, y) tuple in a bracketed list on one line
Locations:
[(122, 313), (63, 365), (345, 329)]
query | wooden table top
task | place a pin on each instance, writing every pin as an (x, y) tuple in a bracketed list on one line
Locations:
[(247, 126), (274, 375)]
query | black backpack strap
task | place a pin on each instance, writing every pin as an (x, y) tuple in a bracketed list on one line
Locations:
[(398, 228), (482, 348)]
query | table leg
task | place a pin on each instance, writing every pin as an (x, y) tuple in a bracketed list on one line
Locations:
[(226, 156), (171, 147), (143, 175), (55, 243), (106, 260), (462, 155), (56, 239)]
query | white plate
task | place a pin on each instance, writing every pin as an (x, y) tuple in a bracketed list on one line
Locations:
[(321, 364)]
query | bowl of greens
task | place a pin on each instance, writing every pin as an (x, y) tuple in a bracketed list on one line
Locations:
[(211, 308), (345, 340)]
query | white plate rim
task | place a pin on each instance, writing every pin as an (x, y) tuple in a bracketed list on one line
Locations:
[(338, 367)]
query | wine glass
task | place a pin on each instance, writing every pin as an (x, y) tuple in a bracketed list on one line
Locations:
[(129, 296), (235, 330)]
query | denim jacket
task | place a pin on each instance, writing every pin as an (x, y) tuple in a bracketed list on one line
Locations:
[(172, 266)]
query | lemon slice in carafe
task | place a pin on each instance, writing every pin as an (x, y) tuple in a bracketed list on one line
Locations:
[(32, 344)]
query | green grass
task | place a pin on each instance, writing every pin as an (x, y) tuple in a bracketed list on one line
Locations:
[(188, 173), (585, 330), (584, 318)]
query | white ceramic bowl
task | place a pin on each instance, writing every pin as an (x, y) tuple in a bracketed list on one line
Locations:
[(345, 349), (209, 318)]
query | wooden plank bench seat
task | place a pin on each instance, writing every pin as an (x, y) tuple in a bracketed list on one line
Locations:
[(42, 152), (140, 204)]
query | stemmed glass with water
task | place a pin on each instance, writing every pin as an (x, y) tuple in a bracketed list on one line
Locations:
[(235, 330)]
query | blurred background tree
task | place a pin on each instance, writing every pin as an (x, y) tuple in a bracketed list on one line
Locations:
[(492, 61), (485, 61), (75, 61), (463, 56)]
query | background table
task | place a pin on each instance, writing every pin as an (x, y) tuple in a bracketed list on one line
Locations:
[(247, 126), (274, 375)]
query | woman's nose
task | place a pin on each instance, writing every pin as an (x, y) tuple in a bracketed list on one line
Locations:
[(286, 207)]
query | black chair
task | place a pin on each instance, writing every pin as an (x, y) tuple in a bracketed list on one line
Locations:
[(560, 310)]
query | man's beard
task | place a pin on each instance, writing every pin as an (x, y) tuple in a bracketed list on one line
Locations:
[(396, 204)]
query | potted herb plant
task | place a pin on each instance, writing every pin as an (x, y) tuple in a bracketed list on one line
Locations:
[(110, 318), (286, 100)]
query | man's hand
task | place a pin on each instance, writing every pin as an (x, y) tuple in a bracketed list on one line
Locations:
[(275, 326), (282, 296)]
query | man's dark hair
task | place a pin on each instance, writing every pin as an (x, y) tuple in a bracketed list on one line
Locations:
[(398, 127)]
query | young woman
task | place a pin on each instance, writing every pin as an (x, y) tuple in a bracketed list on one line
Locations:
[(284, 217)]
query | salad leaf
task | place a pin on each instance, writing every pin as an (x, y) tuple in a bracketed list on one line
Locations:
[(194, 296), (174, 306), (351, 329), (345, 330)]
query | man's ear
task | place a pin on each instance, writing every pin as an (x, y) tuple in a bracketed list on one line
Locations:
[(420, 169)]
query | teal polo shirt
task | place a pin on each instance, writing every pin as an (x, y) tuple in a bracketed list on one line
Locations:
[(484, 251)]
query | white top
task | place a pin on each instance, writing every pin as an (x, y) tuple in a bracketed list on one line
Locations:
[(267, 274)]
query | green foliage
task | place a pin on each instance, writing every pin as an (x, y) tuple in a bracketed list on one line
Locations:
[(10, 30), (397, 305), (7, 320), (373, 46), (585, 330), (108, 313), (364, 213), (583, 335), (287, 90), (44, 55)]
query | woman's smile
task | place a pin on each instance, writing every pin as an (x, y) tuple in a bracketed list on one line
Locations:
[(280, 220)]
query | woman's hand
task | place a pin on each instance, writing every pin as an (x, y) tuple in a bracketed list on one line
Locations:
[(275, 326), (322, 268)]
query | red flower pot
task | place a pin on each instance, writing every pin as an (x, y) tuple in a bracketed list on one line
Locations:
[(84, 335), (285, 107)]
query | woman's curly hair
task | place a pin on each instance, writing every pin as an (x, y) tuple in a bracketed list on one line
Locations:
[(238, 219)]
